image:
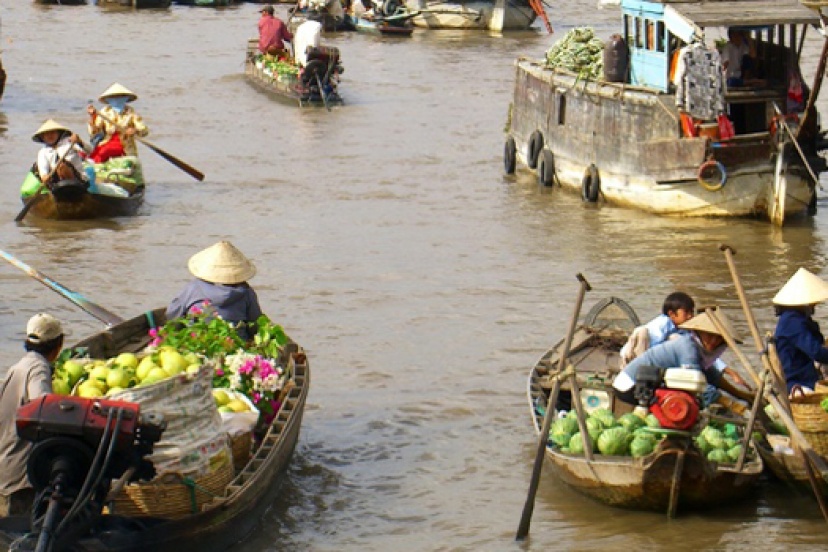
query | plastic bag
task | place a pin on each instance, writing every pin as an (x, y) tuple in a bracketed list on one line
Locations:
[(726, 130)]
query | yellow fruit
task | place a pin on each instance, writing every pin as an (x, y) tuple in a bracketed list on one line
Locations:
[(172, 361), (113, 390), (61, 387), (221, 396), (89, 390), (117, 377), (99, 373), (238, 405), (156, 374), (192, 358), (193, 369), (73, 371), (225, 409), (144, 367), (127, 360)]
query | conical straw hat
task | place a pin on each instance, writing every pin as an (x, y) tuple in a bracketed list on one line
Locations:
[(704, 323), (46, 127), (804, 288), (118, 90), (221, 263)]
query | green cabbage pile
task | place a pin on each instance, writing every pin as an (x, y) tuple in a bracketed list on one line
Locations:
[(625, 436), (720, 444), (579, 51)]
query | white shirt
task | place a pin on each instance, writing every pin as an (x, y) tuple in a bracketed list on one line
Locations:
[(306, 35), (732, 56), (48, 157)]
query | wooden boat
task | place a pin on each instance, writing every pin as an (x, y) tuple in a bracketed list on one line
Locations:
[(492, 15), (229, 517), (328, 12), (73, 200), (315, 84), (675, 476), (205, 3), (618, 138), (397, 24), (2, 78), (137, 4)]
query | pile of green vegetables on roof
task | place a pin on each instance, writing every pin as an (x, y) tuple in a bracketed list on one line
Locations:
[(579, 51)]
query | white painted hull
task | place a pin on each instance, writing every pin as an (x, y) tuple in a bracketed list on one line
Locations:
[(492, 15)]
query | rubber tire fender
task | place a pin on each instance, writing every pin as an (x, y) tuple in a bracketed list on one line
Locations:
[(510, 156), (591, 184), (712, 185), (546, 168), (534, 148)]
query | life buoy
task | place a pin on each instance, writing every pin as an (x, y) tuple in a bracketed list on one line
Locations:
[(534, 149), (715, 181), (510, 155), (591, 184), (546, 168)]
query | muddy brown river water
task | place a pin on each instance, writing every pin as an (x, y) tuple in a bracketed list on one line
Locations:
[(423, 283)]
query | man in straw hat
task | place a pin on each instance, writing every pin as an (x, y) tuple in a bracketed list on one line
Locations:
[(58, 141), (25, 381), (799, 341), (115, 137), (698, 348), (221, 272)]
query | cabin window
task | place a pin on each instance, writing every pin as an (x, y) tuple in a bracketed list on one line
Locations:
[(639, 42), (561, 109), (650, 37), (660, 36), (628, 29)]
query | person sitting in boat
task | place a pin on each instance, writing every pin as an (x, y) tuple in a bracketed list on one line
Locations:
[(273, 33), (308, 35), (221, 272), (113, 130), (678, 307), (799, 341), (738, 58), (27, 380), (58, 141), (699, 348)]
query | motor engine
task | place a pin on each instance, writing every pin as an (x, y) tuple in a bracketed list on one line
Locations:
[(80, 446), (670, 394)]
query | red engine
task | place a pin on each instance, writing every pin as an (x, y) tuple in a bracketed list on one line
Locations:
[(675, 409)]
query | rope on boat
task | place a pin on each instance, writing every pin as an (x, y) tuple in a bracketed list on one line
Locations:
[(192, 487)]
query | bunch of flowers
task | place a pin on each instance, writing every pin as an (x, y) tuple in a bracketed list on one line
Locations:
[(258, 377)]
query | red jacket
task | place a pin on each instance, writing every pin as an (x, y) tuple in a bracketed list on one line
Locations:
[(272, 32)]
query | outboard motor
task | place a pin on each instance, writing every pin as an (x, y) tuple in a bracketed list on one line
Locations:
[(80, 446), (670, 394)]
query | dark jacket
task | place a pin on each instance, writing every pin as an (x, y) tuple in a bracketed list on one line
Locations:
[(237, 303), (799, 343)]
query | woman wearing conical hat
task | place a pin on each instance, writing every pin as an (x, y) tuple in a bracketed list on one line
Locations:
[(221, 272), (113, 130), (799, 341), (58, 140), (698, 347)]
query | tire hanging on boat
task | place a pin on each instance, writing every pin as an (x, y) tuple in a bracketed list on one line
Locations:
[(510, 155), (591, 184), (712, 181), (534, 149), (546, 168)]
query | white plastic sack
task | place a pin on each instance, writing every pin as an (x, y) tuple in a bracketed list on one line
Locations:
[(237, 423)]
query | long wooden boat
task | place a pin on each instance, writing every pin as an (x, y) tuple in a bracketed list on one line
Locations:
[(675, 476), (618, 138), (492, 15), (399, 24), (315, 85), (137, 4), (228, 518)]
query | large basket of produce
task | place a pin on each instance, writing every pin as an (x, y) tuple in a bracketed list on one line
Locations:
[(809, 413), (238, 419), (175, 495)]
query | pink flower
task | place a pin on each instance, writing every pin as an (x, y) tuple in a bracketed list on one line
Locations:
[(219, 372), (153, 332)]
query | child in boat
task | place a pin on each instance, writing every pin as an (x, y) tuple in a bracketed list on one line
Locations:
[(113, 130), (58, 141), (799, 341), (221, 273)]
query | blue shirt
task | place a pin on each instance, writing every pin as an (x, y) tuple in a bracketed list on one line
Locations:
[(661, 328), (680, 351), (234, 304), (799, 343)]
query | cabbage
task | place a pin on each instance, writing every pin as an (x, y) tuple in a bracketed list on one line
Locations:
[(652, 421), (730, 442), (576, 444), (702, 444), (642, 445), (594, 428), (604, 416), (614, 441), (730, 430), (714, 437), (718, 455), (734, 452), (562, 429), (631, 422)]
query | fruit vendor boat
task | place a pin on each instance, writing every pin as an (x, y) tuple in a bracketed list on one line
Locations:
[(314, 84), (674, 476), (617, 134), (119, 191), (229, 514)]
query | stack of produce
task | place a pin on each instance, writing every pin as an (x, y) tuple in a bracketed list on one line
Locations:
[(720, 444), (276, 68), (579, 51), (625, 436)]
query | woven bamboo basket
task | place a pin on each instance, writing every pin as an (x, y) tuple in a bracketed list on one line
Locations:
[(821, 387), (240, 445), (812, 420), (175, 496)]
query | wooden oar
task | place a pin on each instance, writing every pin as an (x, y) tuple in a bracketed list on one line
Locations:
[(543, 438), (37, 195), (192, 171), (95, 310)]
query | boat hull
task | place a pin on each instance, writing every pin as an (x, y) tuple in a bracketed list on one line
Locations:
[(381, 27), (138, 4), (229, 518), (87, 206), (630, 137), (492, 15)]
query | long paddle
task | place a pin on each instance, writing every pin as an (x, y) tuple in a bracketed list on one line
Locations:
[(192, 171), (95, 310), (543, 438), (37, 195)]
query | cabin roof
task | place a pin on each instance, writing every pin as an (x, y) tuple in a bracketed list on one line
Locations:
[(744, 13)]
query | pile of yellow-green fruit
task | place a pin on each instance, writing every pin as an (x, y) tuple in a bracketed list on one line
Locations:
[(98, 377), (226, 401)]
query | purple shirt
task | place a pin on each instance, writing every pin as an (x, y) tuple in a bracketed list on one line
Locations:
[(272, 32)]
